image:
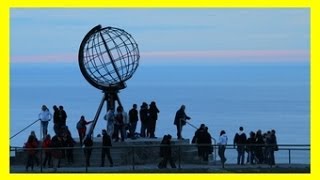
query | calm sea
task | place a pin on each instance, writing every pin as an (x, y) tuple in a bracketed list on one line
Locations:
[(259, 96)]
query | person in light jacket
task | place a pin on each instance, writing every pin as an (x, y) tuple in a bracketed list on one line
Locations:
[(223, 140), (44, 116)]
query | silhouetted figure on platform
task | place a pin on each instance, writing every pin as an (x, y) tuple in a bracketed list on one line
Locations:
[(82, 128), (88, 143), (222, 143), (144, 117), (133, 119), (110, 118), (56, 120), (180, 120), (44, 116), (46, 145), (240, 140), (106, 145), (165, 152), (153, 117), (31, 148)]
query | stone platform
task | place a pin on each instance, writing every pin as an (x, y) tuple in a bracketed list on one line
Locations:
[(138, 151)]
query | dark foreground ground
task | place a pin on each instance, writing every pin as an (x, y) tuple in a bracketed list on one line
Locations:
[(185, 168)]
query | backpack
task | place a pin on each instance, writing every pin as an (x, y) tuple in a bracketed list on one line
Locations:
[(79, 125), (119, 118)]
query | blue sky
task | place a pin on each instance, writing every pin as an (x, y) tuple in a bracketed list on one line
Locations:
[(167, 35)]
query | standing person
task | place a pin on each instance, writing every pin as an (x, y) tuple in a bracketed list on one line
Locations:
[(204, 143), (106, 145), (37, 142), (259, 143), (119, 125), (110, 118), (133, 119), (153, 117), (57, 151), (240, 140), (251, 148), (88, 143), (82, 128), (144, 116), (31, 147), (56, 120), (165, 152), (180, 120), (44, 116), (126, 122), (272, 146), (222, 143), (63, 116), (69, 144), (46, 145)]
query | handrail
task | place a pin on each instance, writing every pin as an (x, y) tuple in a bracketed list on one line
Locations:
[(214, 140), (24, 129)]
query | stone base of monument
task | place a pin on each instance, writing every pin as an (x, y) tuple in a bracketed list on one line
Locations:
[(130, 152)]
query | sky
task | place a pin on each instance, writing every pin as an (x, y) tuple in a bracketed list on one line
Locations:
[(207, 35)]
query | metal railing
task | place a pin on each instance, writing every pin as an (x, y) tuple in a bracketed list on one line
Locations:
[(136, 157), (25, 129)]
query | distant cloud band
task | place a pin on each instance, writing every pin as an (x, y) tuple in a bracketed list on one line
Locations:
[(190, 56)]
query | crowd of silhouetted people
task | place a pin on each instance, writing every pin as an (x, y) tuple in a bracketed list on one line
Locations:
[(120, 125)]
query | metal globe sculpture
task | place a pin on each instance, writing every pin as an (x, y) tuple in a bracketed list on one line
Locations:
[(108, 57)]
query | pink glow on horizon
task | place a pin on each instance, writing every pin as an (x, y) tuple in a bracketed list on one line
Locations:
[(217, 56)]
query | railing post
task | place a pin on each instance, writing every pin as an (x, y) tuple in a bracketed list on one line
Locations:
[(133, 167), (41, 152), (179, 156), (289, 156)]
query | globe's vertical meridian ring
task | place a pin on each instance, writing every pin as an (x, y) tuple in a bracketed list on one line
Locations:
[(108, 57)]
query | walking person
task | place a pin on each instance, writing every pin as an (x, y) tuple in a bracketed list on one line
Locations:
[(44, 117), (222, 143), (240, 140), (106, 145), (165, 153), (180, 120), (82, 128), (153, 117)]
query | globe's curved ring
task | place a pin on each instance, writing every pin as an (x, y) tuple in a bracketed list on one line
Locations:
[(108, 57)]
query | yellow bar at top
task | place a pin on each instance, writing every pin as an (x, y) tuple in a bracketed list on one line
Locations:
[(160, 3)]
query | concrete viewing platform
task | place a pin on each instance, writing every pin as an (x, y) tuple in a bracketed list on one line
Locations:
[(141, 155)]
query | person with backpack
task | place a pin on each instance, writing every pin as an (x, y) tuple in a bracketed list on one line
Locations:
[(81, 127), (240, 140)]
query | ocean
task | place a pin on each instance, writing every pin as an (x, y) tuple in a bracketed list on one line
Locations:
[(224, 97)]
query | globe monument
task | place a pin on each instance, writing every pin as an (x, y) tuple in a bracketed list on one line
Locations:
[(108, 57)]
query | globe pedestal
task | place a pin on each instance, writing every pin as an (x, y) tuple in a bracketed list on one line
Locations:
[(110, 97)]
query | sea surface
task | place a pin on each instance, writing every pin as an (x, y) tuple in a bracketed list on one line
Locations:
[(224, 97)]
